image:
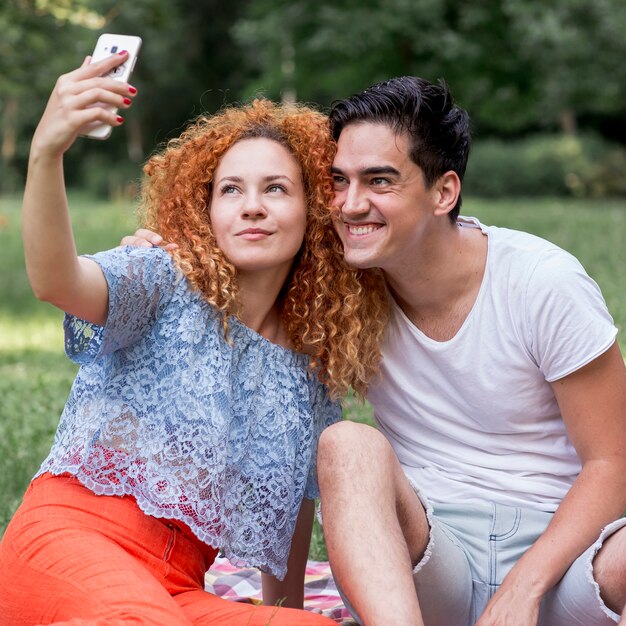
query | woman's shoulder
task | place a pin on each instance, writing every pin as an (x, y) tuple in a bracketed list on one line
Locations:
[(133, 260)]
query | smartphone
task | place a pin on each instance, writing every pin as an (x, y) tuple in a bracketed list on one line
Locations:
[(107, 45)]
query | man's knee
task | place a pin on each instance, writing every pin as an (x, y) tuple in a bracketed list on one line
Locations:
[(609, 568), (611, 558), (350, 440), (349, 448)]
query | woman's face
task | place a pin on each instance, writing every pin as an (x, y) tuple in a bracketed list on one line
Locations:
[(258, 206)]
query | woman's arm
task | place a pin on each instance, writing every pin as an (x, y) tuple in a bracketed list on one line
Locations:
[(290, 591), (57, 275)]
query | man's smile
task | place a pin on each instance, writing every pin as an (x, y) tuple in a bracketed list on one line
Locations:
[(362, 229)]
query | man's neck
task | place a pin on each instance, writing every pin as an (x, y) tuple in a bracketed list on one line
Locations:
[(440, 288)]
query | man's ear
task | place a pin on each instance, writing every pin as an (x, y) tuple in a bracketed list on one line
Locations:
[(447, 190)]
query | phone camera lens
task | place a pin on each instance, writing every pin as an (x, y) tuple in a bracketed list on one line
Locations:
[(113, 49)]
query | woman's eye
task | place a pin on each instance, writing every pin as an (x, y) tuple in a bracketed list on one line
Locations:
[(228, 189), (275, 188)]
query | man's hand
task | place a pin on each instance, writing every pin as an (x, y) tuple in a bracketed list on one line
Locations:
[(511, 605), (144, 238)]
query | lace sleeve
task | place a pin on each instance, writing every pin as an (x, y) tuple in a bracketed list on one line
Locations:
[(325, 413), (141, 282)]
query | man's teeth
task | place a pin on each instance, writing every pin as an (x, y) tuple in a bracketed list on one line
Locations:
[(361, 230)]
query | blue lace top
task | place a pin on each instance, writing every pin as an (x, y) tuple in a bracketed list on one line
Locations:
[(221, 437)]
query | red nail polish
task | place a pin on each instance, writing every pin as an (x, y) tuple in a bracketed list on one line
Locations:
[(127, 100), (132, 89), (123, 52), (120, 119)]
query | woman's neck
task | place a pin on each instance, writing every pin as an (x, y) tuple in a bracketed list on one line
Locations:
[(260, 308)]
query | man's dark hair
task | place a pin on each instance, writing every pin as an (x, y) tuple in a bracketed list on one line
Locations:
[(438, 129)]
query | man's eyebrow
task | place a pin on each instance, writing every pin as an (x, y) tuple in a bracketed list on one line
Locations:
[(371, 171), (382, 169)]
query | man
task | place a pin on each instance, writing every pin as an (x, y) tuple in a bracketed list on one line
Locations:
[(501, 403)]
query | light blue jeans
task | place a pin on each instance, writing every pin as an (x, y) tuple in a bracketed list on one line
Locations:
[(473, 547)]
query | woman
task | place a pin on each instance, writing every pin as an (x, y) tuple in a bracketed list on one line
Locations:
[(207, 374)]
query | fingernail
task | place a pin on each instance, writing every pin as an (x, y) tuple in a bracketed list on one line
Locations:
[(120, 119), (132, 89), (123, 52), (127, 100)]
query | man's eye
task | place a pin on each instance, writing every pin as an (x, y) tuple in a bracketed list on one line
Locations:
[(338, 181), (379, 180)]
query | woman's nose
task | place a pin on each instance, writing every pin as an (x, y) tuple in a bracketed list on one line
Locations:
[(254, 207)]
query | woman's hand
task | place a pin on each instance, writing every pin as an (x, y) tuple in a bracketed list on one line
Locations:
[(77, 101)]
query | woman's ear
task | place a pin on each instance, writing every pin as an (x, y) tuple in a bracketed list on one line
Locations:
[(447, 190)]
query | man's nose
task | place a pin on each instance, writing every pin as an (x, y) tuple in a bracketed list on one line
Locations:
[(353, 201)]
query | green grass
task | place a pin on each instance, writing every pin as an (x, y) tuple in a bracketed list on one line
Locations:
[(35, 376)]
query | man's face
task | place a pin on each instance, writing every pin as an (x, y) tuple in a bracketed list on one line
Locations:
[(384, 207)]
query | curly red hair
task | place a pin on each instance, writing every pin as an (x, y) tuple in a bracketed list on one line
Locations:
[(332, 311)]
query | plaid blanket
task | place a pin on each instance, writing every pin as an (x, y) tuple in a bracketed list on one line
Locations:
[(244, 585)]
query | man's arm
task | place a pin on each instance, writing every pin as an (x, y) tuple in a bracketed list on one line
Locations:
[(592, 401), (144, 238), (290, 591)]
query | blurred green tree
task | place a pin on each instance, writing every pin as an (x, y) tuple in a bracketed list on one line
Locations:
[(517, 65), (188, 64), (33, 31)]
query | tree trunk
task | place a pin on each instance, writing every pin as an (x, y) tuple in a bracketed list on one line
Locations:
[(9, 141), (567, 121), (288, 71), (135, 140)]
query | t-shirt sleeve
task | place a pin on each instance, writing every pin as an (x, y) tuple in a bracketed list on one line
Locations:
[(325, 413), (140, 282), (569, 322)]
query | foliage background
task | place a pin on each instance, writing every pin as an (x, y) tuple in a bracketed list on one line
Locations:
[(523, 68)]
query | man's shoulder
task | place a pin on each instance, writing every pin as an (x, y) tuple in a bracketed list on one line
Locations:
[(522, 262), (515, 248), (511, 238)]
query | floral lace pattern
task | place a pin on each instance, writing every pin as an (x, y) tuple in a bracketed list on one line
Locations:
[(222, 437)]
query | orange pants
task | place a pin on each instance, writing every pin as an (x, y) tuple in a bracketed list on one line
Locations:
[(73, 558)]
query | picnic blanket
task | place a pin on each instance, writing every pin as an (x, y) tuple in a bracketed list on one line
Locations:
[(244, 585)]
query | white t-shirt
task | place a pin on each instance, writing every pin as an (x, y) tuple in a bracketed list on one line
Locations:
[(474, 418)]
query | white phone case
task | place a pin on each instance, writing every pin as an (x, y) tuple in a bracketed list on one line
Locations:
[(107, 45)]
